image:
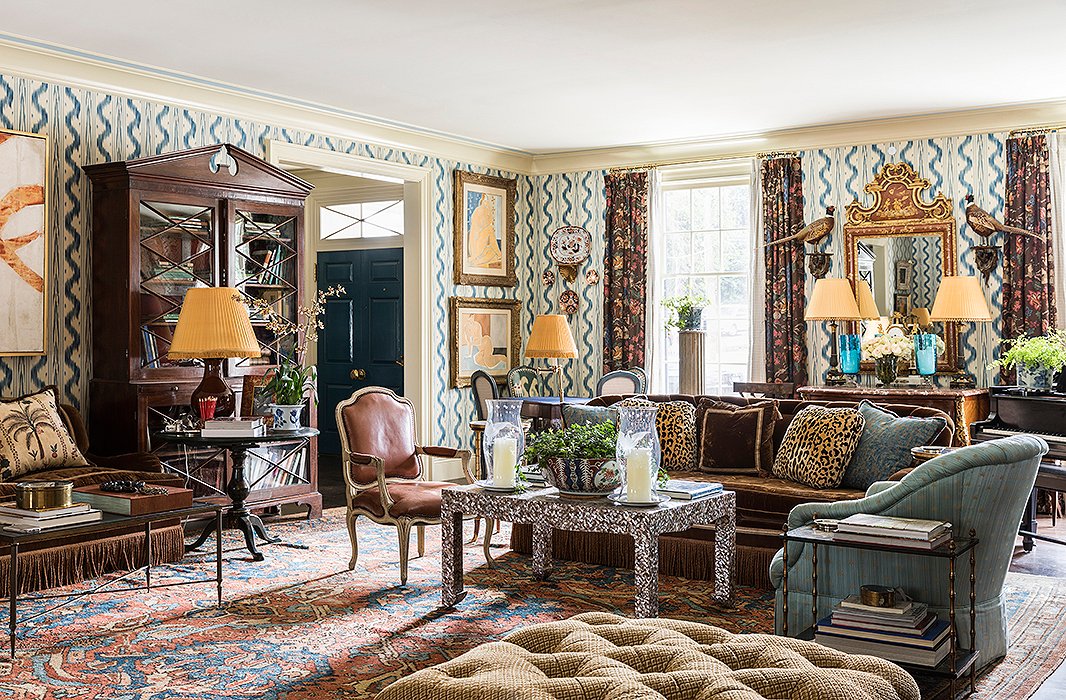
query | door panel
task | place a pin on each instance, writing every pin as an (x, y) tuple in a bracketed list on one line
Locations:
[(364, 330)]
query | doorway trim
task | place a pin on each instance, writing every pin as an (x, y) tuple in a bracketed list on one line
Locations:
[(417, 255)]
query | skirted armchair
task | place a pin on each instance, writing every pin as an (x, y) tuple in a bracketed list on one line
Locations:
[(983, 487), (383, 468)]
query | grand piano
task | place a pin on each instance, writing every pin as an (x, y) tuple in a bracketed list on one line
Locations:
[(1014, 410)]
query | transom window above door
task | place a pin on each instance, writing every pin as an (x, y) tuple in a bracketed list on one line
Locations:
[(379, 219)]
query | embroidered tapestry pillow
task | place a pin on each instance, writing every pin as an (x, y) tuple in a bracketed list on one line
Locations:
[(736, 439), (33, 436), (675, 423), (574, 414), (818, 445), (885, 445)]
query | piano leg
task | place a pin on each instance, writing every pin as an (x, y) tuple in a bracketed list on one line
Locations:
[(1029, 522)]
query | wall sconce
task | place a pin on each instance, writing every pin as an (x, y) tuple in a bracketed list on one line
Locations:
[(986, 258), (818, 264)]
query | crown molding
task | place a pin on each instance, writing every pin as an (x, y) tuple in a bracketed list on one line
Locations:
[(957, 123), (69, 66)]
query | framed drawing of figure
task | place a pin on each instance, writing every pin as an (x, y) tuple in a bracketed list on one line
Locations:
[(484, 335), (23, 243), (484, 229)]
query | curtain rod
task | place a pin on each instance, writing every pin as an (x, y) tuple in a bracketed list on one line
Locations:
[(680, 161), (1034, 131)]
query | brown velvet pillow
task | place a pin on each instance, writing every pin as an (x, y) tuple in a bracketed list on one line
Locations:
[(736, 439)]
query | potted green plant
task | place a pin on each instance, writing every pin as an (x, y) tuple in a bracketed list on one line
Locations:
[(578, 460), (1037, 360), (685, 314), (685, 311), (294, 381)]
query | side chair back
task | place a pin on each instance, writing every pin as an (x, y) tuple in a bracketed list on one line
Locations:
[(485, 389), (619, 381), (375, 421)]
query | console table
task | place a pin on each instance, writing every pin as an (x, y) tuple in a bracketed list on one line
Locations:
[(965, 406), (545, 510)]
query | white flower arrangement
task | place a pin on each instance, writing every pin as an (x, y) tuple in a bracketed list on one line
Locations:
[(888, 344)]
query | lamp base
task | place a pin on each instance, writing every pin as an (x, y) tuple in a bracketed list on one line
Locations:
[(834, 377), (963, 380), (214, 385)]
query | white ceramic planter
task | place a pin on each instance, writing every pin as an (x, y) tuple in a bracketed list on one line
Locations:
[(287, 418)]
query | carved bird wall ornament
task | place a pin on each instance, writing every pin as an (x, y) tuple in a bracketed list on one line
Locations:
[(812, 232), (984, 224)]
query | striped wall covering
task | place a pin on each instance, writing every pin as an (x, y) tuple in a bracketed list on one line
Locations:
[(88, 126), (956, 166)]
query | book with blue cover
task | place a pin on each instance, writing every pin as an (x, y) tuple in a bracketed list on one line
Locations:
[(688, 490)]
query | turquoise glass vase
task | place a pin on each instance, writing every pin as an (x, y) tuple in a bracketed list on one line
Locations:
[(850, 353), (925, 353)]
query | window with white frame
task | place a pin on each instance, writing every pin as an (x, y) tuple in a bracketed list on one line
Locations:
[(706, 248), (377, 219)]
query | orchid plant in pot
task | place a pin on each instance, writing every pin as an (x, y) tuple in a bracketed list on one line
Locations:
[(294, 381)]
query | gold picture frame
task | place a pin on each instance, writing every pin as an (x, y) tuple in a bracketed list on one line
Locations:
[(251, 396), (484, 229), (24, 242), (485, 335)]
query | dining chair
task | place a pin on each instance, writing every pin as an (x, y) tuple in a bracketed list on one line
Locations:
[(639, 371), (620, 381), (526, 380), (382, 464), (485, 389)]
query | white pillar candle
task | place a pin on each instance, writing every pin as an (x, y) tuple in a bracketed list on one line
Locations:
[(638, 475), (504, 459)]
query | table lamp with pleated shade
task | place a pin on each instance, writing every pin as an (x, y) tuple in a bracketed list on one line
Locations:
[(833, 300), (212, 326), (867, 305), (551, 338), (960, 299)]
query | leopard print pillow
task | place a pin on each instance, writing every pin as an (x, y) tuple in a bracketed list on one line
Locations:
[(818, 445), (675, 423)]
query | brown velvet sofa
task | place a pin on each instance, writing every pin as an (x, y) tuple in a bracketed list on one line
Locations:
[(763, 505), (69, 560)]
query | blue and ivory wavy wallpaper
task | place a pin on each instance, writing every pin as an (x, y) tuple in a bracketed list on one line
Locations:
[(87, 126), (956, 166)]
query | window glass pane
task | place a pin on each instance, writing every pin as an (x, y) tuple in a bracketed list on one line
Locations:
[(361, 220), (736, 203), (736, 251), (678, 214), (383, 218), (706, 252), (333, 224), (705, 208), (678, 253)]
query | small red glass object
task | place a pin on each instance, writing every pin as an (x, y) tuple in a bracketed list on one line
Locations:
[(207, 407)]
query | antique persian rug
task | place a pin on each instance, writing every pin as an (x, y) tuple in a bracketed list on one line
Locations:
[(300, 625)]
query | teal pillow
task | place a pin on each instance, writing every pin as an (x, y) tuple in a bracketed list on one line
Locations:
[(588, 415), (885, 444)]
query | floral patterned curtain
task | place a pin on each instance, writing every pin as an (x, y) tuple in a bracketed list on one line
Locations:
[(625, 270), (786, 331), (1028, 304)]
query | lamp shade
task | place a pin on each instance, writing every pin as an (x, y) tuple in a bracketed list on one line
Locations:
[(213, 323), (832, 300), (960, 299), (867, 306), (551, 337)]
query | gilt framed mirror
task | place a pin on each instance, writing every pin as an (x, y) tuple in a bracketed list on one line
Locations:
[(902, 244)]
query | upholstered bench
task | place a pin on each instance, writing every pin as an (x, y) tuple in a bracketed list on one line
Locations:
[(599, 656)]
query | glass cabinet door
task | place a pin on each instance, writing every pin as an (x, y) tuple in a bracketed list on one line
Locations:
[(177, 252), (266, 268)]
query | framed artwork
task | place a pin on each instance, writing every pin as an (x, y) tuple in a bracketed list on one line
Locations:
[(902, 303), (23, 243), (484, 229), (255, 397), (484, 335), (904, 275)]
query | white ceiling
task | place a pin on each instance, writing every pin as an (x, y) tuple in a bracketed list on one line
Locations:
[(549, 75)]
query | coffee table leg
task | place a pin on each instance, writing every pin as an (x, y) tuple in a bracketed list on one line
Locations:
[(646, 574), (451, 558), (148, 556), (13, 594), (725, 546), (218, 554), (542, 551)]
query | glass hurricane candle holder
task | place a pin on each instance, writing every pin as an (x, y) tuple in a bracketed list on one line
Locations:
[(850, 353), (638, 453), (504, 441), (925, 353)]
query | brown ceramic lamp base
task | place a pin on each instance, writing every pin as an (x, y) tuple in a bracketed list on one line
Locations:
[(214, 385)]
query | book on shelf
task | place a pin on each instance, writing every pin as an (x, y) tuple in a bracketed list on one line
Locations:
[(24, 525), (887, 526), (906, 627), (233, 432), (931, 638), (904, 608), (247, 422), (890, 541), (688, 490), (897, 653), (133, 503), (9, 509)]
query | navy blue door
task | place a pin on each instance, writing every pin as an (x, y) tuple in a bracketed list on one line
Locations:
[(362, 343)]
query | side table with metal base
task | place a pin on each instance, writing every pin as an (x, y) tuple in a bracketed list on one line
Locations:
[(250, 524)]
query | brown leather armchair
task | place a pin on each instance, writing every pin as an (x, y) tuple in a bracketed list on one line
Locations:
[(383, 468)]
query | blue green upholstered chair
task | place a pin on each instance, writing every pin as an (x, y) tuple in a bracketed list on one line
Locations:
[(984, 487)]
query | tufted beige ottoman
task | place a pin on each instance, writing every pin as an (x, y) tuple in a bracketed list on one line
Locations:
[(598, 656)]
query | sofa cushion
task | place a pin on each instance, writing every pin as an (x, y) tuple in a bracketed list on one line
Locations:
[(575, 414), (34, 436), (675, 424), (818, 445), (736, 439), (885, 445)]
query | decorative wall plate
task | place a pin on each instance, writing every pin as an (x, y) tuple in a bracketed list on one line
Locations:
[(568, 302), (548, 277), (592, 277), (569, 247)]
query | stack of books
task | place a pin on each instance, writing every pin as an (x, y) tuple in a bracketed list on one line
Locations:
[(689, 490), (905, 633), (233, 427), (893, 532), (175, 498), (533, 476), (21, 521)]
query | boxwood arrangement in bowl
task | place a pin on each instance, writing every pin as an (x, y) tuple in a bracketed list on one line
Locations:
[(1037, 359), (578, 460)]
